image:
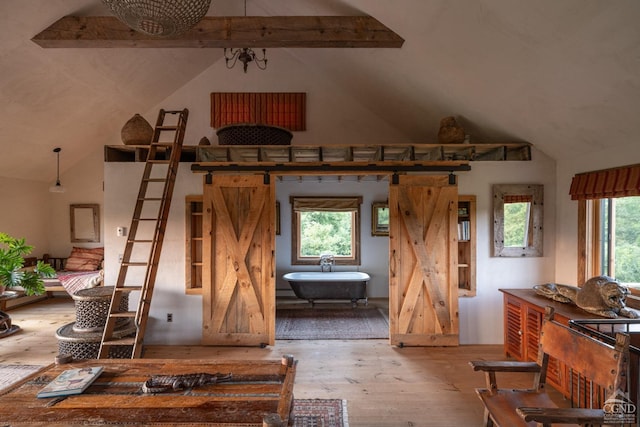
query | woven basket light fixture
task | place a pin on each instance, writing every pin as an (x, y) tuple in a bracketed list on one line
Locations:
[(159, 18)]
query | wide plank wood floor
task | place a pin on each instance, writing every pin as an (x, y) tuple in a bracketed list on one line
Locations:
[(384, 386)]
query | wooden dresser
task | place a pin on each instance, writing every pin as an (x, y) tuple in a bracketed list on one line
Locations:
[(523, 314)]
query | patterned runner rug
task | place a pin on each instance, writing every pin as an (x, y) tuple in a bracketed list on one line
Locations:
[(331, 324), (306, 412)]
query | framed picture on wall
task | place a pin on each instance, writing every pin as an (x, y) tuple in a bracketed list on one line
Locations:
[(379, 219), (85, 222)]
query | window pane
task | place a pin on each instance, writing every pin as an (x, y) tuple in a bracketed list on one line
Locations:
[(626, 241), (326, 232), (604, 237), (516, 224)]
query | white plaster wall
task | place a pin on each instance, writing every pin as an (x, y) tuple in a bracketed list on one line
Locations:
[(43, 217), (122, 182), (481, 317), (333, 116), (83, 184), (24, 212)]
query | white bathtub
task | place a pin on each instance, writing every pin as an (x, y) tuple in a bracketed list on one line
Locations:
[(314, 285)]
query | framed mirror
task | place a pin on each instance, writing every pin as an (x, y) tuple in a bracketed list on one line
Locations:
[(379, 219), (85, 223), (517, 220)]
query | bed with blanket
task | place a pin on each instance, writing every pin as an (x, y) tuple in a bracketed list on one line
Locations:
[(81, 270)]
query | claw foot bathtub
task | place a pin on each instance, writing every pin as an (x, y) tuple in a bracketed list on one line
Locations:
[(313, 285)]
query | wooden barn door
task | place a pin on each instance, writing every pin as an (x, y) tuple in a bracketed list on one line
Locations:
[(238, 256), (423, 268)]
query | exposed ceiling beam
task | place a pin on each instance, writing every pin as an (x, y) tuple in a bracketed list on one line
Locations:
[(221, 32)]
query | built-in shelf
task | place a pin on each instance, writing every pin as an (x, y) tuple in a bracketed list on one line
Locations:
[(330, 154), (466, 245)]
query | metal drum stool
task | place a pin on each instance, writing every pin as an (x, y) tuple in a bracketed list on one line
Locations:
[(81, 339), (92, 308), (86, 345)]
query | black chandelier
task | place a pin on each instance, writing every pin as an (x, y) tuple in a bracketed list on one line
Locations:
[(245, 55)]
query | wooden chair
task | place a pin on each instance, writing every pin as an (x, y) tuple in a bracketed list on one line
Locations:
[(603, 367)]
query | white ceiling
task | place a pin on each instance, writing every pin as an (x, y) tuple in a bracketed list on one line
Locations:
[(561, 74)]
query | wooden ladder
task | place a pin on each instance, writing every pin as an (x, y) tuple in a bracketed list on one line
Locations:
[(145, 237)]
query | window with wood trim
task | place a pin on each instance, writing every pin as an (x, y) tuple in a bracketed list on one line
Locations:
[(325, 225), (284, 109), (193, 244), (609, 224)]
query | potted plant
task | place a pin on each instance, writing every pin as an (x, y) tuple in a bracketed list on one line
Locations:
[(12, 271)]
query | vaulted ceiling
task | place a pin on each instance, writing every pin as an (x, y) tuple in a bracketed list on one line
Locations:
[(561, 74)]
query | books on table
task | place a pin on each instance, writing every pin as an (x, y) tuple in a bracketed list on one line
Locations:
[(71, 381)]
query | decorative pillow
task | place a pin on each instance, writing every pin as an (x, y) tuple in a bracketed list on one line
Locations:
[(84, 259)]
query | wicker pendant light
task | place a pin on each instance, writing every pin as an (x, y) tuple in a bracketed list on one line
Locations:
[(159, 18)]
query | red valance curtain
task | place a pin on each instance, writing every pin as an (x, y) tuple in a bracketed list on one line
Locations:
[(284, 109), (603, 184)]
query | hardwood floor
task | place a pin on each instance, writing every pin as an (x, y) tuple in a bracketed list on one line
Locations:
[(384, 386)]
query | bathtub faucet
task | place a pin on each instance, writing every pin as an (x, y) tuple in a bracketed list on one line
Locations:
[(327, 262)]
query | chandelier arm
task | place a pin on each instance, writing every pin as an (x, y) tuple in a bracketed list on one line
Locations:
[(233, 58)]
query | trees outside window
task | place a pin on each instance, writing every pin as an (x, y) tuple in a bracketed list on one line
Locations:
[(325, 225), (618, 237)]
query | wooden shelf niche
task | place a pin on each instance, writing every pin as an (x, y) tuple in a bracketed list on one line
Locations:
[(466, 246), (193, 244)]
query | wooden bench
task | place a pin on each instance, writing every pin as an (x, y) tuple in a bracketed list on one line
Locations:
[(55, 262), (601, 367)]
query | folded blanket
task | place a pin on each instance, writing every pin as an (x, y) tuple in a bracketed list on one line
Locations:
[(73, 281)]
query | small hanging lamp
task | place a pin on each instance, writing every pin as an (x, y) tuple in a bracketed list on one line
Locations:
[(57, 187)]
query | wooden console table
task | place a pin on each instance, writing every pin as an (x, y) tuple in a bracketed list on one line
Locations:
[(259, 393)]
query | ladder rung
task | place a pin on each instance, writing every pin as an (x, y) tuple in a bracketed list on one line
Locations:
[(155, 179), (168, 127), (162, 144), (139, 241), (145, 219), (134, 264), (128, 288), (121, 341), (123, 314), (158, 162), (151, 199)]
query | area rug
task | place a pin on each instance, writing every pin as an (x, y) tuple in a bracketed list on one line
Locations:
[(320, 413), (10, 374), (331, 324)]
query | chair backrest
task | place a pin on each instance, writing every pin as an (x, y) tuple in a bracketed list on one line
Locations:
[(596, 363)]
